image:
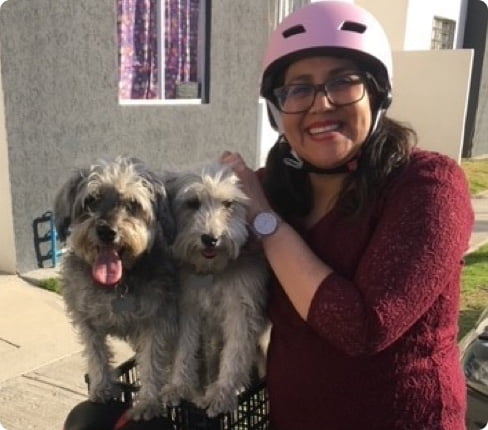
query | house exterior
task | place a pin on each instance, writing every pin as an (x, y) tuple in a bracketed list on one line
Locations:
[(60, 106)]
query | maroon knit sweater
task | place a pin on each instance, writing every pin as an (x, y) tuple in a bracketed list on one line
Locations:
[(378, 350)]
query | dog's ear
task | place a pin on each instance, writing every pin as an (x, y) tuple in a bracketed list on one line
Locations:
[(64, 203), (162, 209), (164, 214)]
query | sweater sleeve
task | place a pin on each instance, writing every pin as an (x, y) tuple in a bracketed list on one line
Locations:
[(414, 253)]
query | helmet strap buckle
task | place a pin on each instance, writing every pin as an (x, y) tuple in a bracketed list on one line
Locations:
[(294, 161)]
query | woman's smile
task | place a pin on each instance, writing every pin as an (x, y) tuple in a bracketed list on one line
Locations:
[(323, 130)]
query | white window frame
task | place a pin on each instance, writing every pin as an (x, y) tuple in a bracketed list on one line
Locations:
[(202, 67)]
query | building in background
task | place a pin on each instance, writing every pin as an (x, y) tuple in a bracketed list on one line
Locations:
[(175, 82)]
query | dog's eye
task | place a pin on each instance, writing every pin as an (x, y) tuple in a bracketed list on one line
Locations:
[(132, 207), (227, 203), (90, 202), (193, 204)]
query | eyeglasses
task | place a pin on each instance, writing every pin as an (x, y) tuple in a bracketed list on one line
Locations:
[(340, 91)]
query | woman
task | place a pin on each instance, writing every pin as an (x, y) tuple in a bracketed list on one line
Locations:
[(365, 236)]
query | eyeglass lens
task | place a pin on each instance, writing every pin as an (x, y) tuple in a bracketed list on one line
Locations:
[(344, 90)]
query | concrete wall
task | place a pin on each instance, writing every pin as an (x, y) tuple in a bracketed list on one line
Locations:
[(475, 37), (7, 250), (59, 72), (480, 137), (432, 101)]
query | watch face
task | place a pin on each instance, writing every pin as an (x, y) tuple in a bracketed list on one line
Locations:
[(265, 223)]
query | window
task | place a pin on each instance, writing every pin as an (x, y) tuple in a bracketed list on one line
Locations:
[(278, 9), (442, 33), (162, 50)]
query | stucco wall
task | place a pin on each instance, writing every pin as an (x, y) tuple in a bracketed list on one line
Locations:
[(59, 78), (7, 248)]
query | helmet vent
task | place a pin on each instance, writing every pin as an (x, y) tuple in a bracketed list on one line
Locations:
[(296, 29), (356, 27)]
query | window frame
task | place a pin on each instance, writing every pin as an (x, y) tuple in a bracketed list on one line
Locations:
[(442, 28), (203, 47)]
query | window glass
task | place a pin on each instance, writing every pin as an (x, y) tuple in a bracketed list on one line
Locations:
[(443, 33)]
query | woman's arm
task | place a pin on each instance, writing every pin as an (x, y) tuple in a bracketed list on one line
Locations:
[(412, 258), (417, 246)]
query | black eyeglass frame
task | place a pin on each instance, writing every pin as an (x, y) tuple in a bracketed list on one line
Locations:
[(366, 78)]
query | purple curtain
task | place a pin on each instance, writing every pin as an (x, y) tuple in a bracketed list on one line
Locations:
[(138, 54), (181, 43), (138, 46)]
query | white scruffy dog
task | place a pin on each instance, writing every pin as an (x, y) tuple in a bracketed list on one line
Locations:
[(223, 291)]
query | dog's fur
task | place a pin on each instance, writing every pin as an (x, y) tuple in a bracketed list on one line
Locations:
[(120, 208), (223, 295)]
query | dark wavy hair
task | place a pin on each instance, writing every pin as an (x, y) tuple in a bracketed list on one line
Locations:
[(382, 155)]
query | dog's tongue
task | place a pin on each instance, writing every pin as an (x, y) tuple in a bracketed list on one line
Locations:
[(107, 268)]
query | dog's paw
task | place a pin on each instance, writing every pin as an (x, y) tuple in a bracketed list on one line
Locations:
[(104, 391), (217, 399), (172, 394), (146, 410)]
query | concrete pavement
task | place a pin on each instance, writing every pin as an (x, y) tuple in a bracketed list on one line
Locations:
[(42, 368)]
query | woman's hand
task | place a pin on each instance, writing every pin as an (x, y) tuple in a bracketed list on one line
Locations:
[(250, 183), (298, 269)]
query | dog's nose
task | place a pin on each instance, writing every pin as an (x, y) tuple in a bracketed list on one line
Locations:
[(106, 233), (208, 240)]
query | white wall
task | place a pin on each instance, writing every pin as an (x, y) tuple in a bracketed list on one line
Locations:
[(267, 136), (392, 16), (420, 14), (432, 101), (408, 23)]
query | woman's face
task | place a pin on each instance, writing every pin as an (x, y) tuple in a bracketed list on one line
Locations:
[(325, 135)]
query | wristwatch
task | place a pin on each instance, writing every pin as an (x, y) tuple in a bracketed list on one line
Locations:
[(265, 223)]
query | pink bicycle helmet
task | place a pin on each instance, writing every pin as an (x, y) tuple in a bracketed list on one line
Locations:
[(328, 28)]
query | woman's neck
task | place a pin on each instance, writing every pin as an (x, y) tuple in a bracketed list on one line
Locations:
[(325, 187), (325, 191)]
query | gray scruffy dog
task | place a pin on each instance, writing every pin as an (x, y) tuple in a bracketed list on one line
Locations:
[(223, 283), (118, 278)]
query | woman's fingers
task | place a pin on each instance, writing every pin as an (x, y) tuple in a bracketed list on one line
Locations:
[(234, 161)]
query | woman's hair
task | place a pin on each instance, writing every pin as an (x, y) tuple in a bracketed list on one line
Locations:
[(289, 190)]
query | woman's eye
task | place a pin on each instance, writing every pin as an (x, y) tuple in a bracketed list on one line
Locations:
[(227, 203), (193, 204), (344, 81), (299, 90)]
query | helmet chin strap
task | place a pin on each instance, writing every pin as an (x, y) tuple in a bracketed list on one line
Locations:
[(295, 162)]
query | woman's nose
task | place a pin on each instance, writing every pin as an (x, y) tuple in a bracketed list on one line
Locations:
[(320, 102)]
